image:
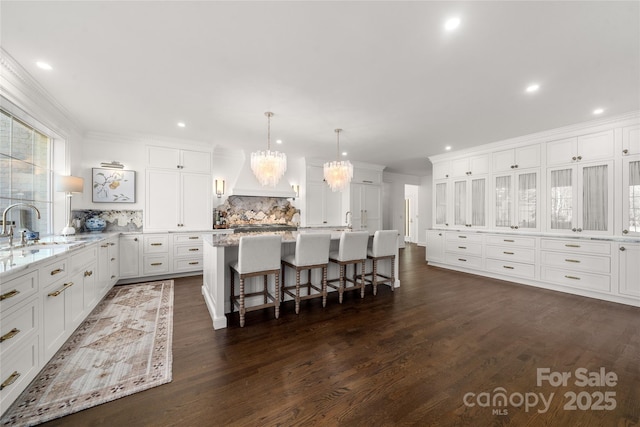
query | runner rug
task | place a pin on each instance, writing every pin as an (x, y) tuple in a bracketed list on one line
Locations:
[(123, 347)]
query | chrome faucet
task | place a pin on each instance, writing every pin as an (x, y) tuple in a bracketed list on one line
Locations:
[(9, 234), (347, 218)]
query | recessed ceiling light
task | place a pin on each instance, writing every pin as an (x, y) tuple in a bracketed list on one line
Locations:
[(448, 147), (452, 23), (533, 88), (44, 66), (278, 141), (344, 153), (598, 111), (181, 124)]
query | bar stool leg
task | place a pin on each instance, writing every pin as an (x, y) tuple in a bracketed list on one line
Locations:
[(297, 291), (361, 278), (277, 302), (341, 282), (233, 294), (242, 310), (266, 289), (324, 286), (375, 277), (393, 273), (284, 268)]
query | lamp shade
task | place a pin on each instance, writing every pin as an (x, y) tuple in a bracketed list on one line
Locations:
[(69, 184)]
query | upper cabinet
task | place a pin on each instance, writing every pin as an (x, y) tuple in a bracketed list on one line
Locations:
[(515, 200), (631, 195), (584, 148), (323, 206), (441, 170), (469, 166), (516, 158), (367, 176), (184, 160), (470, 202), (631, 140)]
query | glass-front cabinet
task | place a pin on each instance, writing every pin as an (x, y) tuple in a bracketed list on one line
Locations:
[(470, 202), (441, 206), (515, 201), (631, 196), (580, 199)]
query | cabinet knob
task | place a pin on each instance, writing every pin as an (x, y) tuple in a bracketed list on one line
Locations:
[(439, 234), (446, 224), (515, 226), (574, 230), (516, 166), (135, 239), (622, 248), (574, 158), (579, 230), (625, 231), (579, 157), (625, 151), (512, 166), (446, 176)]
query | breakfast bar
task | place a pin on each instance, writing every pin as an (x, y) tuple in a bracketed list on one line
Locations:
[(222, 249)]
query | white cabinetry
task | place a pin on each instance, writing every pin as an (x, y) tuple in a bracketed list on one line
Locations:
[(631, 140), (515, 200), (323, 206), (516, 158), (441, 170), (470, 202), (584, 148), (108, 265), (442, 205), (366, 207), (469, 166), (631, 195), (435, 246), (511, 255), (464, 249), (156, 254), (178, 190), (130, 256), (629, 270), (187, 252), (580, 198)]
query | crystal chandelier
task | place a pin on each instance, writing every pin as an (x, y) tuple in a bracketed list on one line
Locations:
[(268, 166), (338, 174)]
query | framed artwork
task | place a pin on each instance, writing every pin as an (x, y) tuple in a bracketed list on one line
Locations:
[(113, 186)]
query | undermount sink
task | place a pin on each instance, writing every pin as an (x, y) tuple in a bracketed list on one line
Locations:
[(7, 251)]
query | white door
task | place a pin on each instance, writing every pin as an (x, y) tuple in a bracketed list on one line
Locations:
[(162, 197), (196, 190)]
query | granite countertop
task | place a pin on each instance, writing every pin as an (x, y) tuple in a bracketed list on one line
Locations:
[(225, 240), (620, 239), (49, 247)]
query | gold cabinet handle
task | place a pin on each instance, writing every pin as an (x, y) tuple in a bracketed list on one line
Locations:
[(194, 250), (106, 245), (156, 263), (56, 271), (88, 273), (572, 260), (194, 263), (61, 290), (572, 277), (462, 237), (9, 294), (462, 247), (506, 266), (572, 246), (12, 379), (194, 237), (156, 244), (509, 240), (12, 333), (507, 253)]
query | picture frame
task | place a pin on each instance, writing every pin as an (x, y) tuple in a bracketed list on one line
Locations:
[(113, 185)]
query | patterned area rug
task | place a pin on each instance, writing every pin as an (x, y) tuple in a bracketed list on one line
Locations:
[(123, 347)]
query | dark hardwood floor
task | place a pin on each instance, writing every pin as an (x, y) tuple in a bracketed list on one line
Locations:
[(407, 357)]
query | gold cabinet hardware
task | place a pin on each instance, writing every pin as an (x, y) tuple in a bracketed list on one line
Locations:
[(156, 244), (12, 378), (194, 250), (193, 237), (88, 273), (625, 231), (462, 237), (507, 253), (106, 245), (194, 263), (9, 294), (12, 333), (572, 246), (462, 247), (113, 259), (61, 290), (509, 240), (622, 248), (113, 277), (572, 277), (506, 266), (572, 260), (135, 239), (462, 259), (111, 244), (56, 271), (156, 263)]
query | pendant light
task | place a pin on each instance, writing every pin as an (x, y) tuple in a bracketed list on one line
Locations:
[(338, 174), (268, 166)]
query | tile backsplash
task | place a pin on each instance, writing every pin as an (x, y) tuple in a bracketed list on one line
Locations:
[(117, 220), (259, 210)]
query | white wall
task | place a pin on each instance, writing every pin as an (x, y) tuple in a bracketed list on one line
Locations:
[(393, 200)]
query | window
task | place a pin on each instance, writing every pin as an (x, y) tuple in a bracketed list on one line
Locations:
[(25, 173)]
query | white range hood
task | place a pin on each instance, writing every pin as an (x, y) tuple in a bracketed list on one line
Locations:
[(247, 184)]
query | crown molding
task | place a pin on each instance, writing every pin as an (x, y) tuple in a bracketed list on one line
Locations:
[(26, 93)]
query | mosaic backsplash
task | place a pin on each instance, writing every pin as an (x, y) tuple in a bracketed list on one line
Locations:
[(259, 210), (117, 221)]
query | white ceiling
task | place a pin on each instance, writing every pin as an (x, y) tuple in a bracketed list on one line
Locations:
[(386, 72)]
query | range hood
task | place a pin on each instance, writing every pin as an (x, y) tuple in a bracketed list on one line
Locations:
[(247, 184)]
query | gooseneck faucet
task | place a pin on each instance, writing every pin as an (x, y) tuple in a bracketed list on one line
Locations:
[(9, 234)]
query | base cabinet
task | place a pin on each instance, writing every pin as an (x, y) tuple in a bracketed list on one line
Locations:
[(629, 269), (435, 246)]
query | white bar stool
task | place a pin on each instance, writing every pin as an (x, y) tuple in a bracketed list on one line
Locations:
[(257, 256), (385, 245), (352, 250), (312, 251)]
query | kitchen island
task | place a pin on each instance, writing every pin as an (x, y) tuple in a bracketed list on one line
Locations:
[(221, 250)]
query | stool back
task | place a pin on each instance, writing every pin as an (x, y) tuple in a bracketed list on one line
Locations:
[(353, 245), (312, 249), (385, 243), (259, 253)]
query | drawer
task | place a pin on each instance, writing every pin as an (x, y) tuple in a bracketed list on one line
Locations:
[(53, 271), (588, 281), (17, 370), (18, 326), (464, 237), (515, 254), (464, 247), (463, 260), (155, 264), (156, 244), (187, 264), (577, 262), (16, 290), (83, 257), (576, 246), (187, 238), (187, 250), (511, 268), (506, 240)]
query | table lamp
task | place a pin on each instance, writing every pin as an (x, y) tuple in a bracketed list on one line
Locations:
[(69, 185)]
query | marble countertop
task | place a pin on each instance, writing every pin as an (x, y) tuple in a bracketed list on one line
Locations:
[(224, 240), (620, 239), (21, 258)]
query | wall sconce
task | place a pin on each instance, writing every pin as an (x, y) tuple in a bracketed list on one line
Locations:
[(296, 189), (112, 165), (219, 187)]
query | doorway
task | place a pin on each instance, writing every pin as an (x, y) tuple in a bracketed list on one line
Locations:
[(411, 213)]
